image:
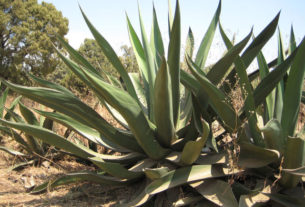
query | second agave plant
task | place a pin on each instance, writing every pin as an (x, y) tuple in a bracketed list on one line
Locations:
[(166, 115)]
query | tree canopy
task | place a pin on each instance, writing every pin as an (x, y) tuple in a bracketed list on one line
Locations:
[(27, 31), (94, 54)]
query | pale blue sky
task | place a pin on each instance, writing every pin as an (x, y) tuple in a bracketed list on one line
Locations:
[(237, 16)]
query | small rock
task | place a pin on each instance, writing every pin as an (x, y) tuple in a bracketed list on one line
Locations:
[(29, 183), (46, 164)]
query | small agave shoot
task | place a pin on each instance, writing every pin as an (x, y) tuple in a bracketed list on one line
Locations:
[(167, 114)]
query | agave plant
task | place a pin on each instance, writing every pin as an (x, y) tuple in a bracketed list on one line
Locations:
[(267, 151), (33, 149), (5, 130), (166, 115)]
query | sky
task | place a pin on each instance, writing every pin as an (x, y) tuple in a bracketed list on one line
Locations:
[(237, 17)]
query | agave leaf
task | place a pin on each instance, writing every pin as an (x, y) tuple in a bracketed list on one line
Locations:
[(298, 171), (123, 159), (156, 173), (3, 101), (84, 130), (74, 108), (7, 116), (270, 81), (116, 115), (136, 81), (218, 71), (11, 151), (285, 200), (132, 113), (270, 99), (116, 169), (79, 177), (267, 85), (225, 38), (293, 86), (16, 117), (151, 66), (141, 59), (186, 108), (278, 108), (260, 41), (75, 68), (112, 57), (212, 158), (190, 82), (255, 47), (164, 106), (156, 41), (206, 42), (186, 175), (196, 115), (31, 119), (190, 133), (76, 55), (173, 59), (281, 51), (292, 161), (186, 98), (79, 150), (28, 115), (192, 149), (16, 137), (273, 136), (252, 156), (170, 18), (78, 72), (255, 73), (218, 100), (217, 191), (292, 43), (51, 138), (21, 165), (189, 46), (49, 84), (112, 79)]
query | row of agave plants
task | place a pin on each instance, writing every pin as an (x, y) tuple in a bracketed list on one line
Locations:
[(166, 114)]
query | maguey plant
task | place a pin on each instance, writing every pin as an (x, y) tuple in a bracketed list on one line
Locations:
[(167, 115)]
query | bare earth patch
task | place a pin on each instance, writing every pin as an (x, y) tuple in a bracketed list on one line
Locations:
[(13, 187)]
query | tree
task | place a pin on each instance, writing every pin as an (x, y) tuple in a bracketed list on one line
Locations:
[(129, 59), (94, 54), (27, 31)]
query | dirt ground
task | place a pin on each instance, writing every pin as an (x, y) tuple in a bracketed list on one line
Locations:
[(14, 186)]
